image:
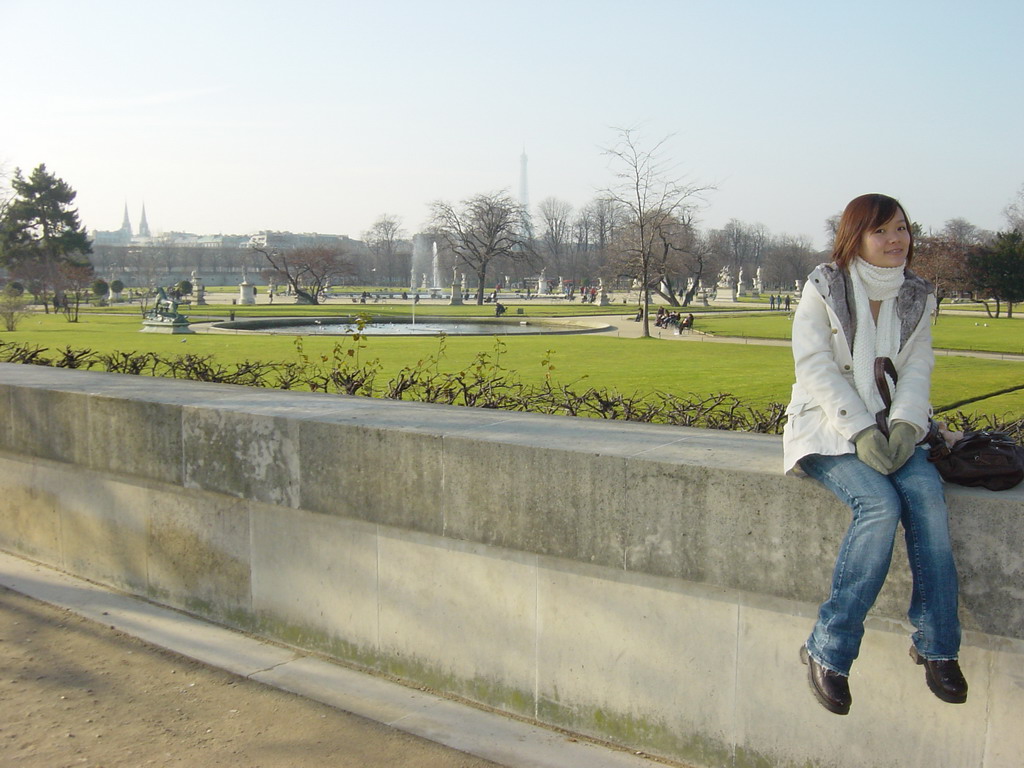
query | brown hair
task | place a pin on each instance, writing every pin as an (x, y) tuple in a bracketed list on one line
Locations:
[(864, 214)]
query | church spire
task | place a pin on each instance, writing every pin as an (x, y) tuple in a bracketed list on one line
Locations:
[(143, 224), (126, 225)]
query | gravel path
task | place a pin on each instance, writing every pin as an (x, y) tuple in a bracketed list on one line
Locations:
[(74, 692)]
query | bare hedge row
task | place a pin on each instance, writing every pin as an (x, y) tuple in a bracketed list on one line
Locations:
[(484, 384)]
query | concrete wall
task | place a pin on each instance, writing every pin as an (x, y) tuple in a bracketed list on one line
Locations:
[(646, 585)]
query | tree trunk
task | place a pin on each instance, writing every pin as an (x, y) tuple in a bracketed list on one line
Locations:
[(670, 297), (302, 296), (646, 301), (481, 277)]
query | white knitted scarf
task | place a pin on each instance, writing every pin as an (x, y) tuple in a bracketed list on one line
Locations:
[(874, 339)]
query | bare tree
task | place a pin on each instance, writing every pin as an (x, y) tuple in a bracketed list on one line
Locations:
[(963, 234), (788, 258), (584, 229), (556, 233), (760, 238), (654, 200), (74, 281), (609, 217), (697, 258), (384, 240), (14, 307), (309, 271), (1014, 212), (938, 260), (34, 276), (596, 227), (741, 245), (483, 228), (677, 253), (832, 227), (734, 244), (583, 235), (942, 258), (586, 255)]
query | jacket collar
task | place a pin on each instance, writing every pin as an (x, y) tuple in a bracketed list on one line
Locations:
[(836, 289)]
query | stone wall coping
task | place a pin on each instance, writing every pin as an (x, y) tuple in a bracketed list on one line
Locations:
[(710, 507)]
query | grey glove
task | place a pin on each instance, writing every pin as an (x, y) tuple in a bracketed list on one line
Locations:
[(902, 441), (873, 450)]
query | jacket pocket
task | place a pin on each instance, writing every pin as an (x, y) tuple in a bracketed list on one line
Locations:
[(798, 406)]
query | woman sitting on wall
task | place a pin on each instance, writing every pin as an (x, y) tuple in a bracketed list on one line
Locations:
[(864, 305)]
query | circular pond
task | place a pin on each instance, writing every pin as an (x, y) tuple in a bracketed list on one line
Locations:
[(403, 326)]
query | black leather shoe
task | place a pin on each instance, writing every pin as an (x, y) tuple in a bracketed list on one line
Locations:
[(944, 678), (830, 688)]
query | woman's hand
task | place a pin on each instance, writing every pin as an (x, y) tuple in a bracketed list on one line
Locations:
[(902, 441), (873, 450)]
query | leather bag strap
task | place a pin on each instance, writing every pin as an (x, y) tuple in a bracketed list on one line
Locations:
[(884, 367)]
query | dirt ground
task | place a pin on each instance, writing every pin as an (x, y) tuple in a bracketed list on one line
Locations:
[(77, 693)]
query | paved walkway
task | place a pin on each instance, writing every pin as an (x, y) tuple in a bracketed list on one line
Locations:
[(627, 328), (78, 687)]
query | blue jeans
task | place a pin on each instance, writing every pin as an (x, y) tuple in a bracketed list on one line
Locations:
[(912, 495)]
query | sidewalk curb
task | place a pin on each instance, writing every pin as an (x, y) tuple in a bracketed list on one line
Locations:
[(485, 734)]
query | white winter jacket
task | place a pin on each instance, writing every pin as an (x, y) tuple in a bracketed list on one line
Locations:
[(825, 412)]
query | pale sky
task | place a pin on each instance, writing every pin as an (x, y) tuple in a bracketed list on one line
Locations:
[(232, 117)]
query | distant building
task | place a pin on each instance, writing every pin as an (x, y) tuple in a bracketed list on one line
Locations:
[(268, 240), (125, 236), (189, 240), (122, 236), (142, 258)]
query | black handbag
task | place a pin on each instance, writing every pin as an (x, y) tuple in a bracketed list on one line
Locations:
[(979, 459)]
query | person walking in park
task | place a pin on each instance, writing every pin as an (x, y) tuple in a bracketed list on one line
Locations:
[(864, 305)]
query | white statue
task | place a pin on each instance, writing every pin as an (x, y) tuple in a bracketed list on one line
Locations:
[(198, 289), (246, 290), (724, 278)]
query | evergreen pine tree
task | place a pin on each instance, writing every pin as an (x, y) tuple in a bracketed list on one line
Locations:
[(40, 230)]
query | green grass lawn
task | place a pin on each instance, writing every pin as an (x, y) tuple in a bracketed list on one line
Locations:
[(1009, 407), (967, 332), (755, 374), (626, 365)]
